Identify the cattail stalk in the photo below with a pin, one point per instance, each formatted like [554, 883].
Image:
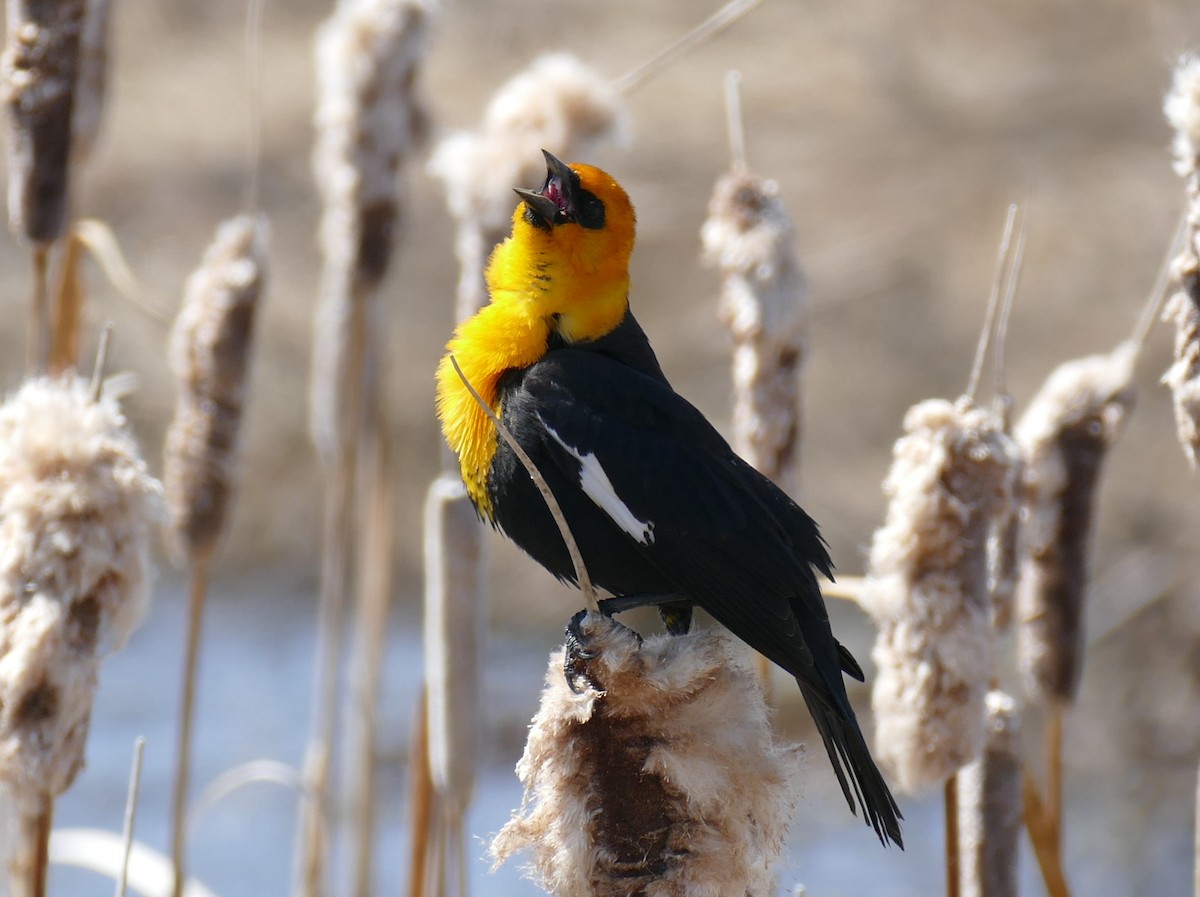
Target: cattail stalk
[420, 800]
[1065, 434]
[989, 803]
[375, 586]
[368, 123]
[1182, 107]
[454, 590]
[748, 237]
[209, 353]
[131, 804]
[76, 509]
[653, 770]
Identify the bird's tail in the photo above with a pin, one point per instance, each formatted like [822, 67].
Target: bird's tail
[852, 761]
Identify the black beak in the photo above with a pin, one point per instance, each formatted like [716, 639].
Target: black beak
[554, 203]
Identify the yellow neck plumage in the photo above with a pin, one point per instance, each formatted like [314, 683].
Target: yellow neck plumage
[538, 282]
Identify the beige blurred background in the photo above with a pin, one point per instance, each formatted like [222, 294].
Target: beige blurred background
[898, 133]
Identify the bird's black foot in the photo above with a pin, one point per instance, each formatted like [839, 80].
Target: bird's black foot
[675, 611]
[581, 648]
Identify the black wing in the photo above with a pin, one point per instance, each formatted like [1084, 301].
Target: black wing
[717, 531]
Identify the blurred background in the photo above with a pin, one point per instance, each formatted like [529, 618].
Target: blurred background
[898, 133]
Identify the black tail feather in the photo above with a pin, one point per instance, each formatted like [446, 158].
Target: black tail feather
[849, 754]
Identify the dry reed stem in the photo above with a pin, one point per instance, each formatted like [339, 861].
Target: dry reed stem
[1042, 838]
[749, 238]
[927, 588]
[37, 335]
[421, 798]
[989, 800]
[557, 104]
[950, 815]
[197, 590]
[659, 776]
[30, 860]
[38, 71]
[76, 509]
[1182, 108]
[68, 308]
[454, 615]
[1064, 434]
[131, 803]
[374, 598]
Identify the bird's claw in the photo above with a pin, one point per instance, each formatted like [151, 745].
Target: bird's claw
[580, 648]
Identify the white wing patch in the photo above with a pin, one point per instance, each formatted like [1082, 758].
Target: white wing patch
[599, 488]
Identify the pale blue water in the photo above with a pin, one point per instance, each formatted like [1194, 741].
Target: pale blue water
[254, 704]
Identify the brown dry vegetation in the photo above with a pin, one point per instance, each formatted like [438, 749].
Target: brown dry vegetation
[898, 131]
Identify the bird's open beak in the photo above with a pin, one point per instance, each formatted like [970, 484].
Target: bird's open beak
[554, 203]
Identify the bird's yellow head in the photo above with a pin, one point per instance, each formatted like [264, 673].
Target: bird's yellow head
[569, 251]
[564, 272]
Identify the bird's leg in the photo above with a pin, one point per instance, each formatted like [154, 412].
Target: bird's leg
[622, 603]
[675, 610]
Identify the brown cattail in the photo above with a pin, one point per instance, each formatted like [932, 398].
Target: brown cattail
[368, 121]
[1064, 435]
[76, 509]
[38, 71]
[927, 588]
[658, 775]
[989, 795]
[749, 238]
[92, 83]
[209, 354]
[557, 104]
[1182, 108]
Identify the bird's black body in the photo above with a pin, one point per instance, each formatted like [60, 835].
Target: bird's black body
[706, 526]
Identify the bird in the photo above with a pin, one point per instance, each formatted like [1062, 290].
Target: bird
[664, 512]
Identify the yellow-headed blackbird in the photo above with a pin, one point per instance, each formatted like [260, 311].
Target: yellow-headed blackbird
[663, 510]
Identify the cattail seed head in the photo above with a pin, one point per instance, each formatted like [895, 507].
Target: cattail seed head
[209, 354]
[990, 806]
[76, 510]
[557, 104]
[38, 70]
[927, 588]
[1065, 434]
[660, 777]
[1182, 108]
[368, 120]
[749, 238]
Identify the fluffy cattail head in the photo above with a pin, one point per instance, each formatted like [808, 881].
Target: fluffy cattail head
[38, 70]
[557, 104]
[76, 510]
[1182, 108]
[209, 354]
[927, 587]
[659, 776]
[1064, 435]
[749, 238]
[1183, 309]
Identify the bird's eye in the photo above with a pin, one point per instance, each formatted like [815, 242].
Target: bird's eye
[590, 212]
